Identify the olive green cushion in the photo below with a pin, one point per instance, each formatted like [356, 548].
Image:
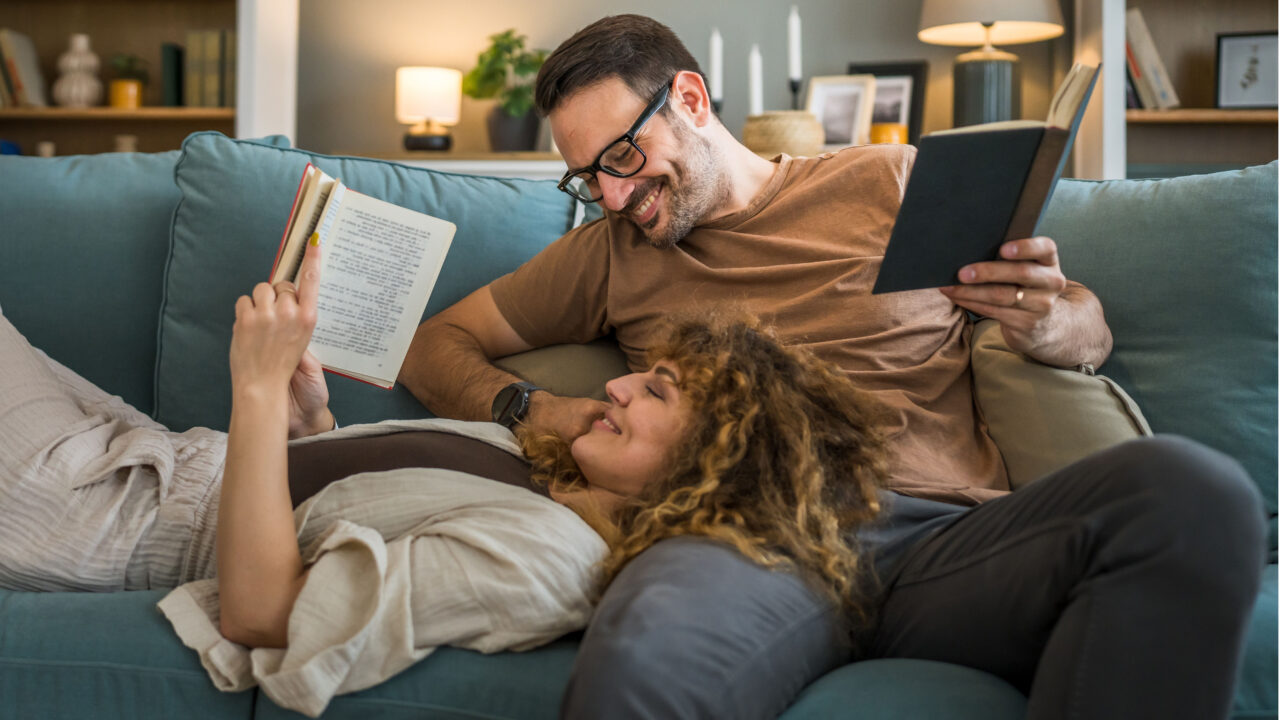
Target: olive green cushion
[1044, 418]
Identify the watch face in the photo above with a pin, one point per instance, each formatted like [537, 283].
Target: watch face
[508, 406]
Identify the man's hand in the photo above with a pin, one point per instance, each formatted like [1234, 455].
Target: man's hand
[1021, 290]
[567, 417]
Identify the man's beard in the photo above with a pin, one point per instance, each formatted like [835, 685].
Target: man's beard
[697, 188]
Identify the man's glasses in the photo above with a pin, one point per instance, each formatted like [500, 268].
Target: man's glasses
[622, 158]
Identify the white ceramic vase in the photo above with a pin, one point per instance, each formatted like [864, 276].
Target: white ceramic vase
[78, 85]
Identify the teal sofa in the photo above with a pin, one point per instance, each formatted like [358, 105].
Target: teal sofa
[125, 267]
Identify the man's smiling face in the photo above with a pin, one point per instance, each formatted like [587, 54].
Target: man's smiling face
[680, 183]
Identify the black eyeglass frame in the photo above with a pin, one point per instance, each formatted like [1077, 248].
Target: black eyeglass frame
[659, 99]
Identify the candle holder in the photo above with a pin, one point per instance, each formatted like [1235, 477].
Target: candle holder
[717, 106]
[794, 83]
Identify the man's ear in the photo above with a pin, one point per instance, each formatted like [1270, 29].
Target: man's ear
[689, 93]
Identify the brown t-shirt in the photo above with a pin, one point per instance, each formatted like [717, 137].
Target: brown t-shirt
[803, 255]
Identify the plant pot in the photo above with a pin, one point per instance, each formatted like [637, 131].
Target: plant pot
[126, 94]
[510, 134]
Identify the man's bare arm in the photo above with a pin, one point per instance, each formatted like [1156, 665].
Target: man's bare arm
[449, 368]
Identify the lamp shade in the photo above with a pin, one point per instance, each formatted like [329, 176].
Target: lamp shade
[960, 22]
[428, 94]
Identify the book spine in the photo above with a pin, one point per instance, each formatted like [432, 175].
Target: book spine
[1144, 48]
[211, 84]
[1146, 95]
[1038, 187]
[171, 72]
[193, 70]
[1131, 100]
[229, 70]
[297, 197]
[11, 69]
[6, 88]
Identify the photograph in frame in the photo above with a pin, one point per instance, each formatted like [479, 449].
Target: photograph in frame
[894, 81]
[843, 105]
[1246, 76]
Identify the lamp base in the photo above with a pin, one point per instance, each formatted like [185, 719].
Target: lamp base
[987, 88]
[438, 143]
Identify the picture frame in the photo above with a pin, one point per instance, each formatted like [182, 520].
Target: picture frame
[843, 105]
[900, 93]
[1246, 70]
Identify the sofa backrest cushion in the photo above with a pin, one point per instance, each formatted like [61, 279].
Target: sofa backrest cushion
[236, 198]
[83, 242]
[1186, 271]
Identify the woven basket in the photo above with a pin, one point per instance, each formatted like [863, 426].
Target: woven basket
[794, 132]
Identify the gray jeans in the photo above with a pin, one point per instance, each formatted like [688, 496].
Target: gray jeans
[1146, 556]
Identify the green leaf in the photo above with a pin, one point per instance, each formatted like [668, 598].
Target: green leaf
[499, 70]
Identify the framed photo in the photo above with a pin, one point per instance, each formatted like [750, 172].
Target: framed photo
[1246, 70]
[843, 104]
[899, 93]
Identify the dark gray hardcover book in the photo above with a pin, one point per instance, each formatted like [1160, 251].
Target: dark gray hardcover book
[974, 188]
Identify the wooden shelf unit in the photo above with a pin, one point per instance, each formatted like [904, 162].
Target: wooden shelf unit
[136, 27]
[1199, 135]
[1200, 116]
[107, 114]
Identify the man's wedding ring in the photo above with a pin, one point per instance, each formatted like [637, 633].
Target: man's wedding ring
[285, 287]
[1017, 298]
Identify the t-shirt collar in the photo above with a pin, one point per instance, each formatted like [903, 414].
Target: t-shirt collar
[761, 199]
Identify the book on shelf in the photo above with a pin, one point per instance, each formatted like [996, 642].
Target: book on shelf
[1147, 59]
[228, 73]
[171, 75]
[974, 188]
[379, 265]
[1146, 95]
[22, 68]
[211, 66]
[193, 69]
[1131, 99]
[7, 98]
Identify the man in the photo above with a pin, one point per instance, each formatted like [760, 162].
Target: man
[1049, 588]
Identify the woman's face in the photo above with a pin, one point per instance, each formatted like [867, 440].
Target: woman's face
[629, 447]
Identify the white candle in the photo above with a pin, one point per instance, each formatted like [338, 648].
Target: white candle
[756, 97]
[793, 44]
[717, 65]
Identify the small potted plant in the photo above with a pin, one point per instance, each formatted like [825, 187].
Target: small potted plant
[125, 89]
[506, 70]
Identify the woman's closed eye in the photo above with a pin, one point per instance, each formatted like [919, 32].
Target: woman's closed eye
[653, 392]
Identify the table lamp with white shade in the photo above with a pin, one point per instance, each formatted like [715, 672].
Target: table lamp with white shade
[987, 83]
[429, 99]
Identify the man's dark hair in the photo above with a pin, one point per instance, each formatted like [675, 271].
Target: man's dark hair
[640, 51]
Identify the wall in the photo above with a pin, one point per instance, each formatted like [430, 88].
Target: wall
[348, 52]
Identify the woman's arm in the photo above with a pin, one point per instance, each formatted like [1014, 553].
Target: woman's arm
[259, 567]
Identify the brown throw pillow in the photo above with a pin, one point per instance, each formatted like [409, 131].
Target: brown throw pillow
[1044, 418]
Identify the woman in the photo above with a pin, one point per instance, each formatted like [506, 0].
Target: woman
[728, 435]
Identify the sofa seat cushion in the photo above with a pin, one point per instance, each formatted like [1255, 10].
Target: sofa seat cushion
[454, 684]
[79, 655]
[235, 202]
[1186, 271]
[1256, 692]
[897, 688]
[83, 242]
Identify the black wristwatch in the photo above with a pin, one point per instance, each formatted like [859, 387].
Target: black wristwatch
[512, 403]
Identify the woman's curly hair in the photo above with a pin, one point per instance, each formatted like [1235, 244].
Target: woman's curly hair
[781, 458]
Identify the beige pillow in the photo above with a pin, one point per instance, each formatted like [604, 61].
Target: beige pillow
[1044, 418]
[570, 370]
